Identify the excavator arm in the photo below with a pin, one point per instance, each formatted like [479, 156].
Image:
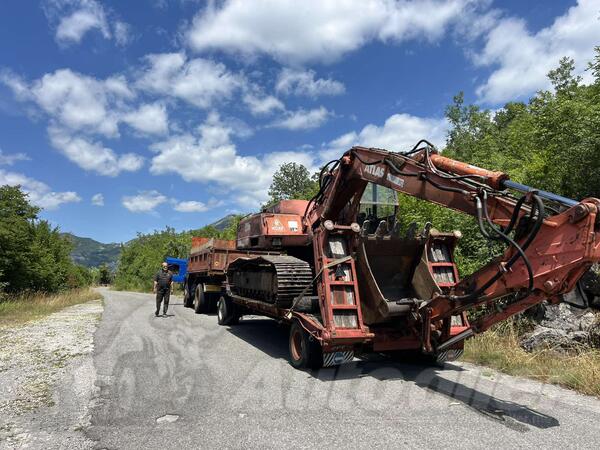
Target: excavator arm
[551, 241]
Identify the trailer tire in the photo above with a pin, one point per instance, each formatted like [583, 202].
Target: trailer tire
[305, 351]
[226, 312]
[200, 300]
[188, 300]
[211, 304]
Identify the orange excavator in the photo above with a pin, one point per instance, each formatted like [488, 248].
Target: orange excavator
[350, 281]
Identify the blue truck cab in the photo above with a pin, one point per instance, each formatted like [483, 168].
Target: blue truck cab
[178, 268]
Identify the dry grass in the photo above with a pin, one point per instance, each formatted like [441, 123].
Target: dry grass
[25, 307]
[499, 348]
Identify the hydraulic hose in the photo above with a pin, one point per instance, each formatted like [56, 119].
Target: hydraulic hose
[520, 250]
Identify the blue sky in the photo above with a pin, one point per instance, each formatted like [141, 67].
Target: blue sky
[119, 117]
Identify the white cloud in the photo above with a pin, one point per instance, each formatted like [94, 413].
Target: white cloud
[76, 101]
[77, 104]
[10, 159]
[303, 119]
[39, 193]
[93, 156]
[522, 59]
[144, 201]
[262, 105]
[73, 27]
[74, 19]
[298, 82]
[198, 81]
[190, 206]
[86, 104]
[149, 119]
[399, 133]
[211, 158]
[122, 32]
[98, 200]
[317, 30]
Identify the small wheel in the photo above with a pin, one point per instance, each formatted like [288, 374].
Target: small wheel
[188, 300]
[226, 314]
[200, 302]
[305, 351]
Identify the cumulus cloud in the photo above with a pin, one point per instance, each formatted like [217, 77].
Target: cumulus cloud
[149, 119]
[303, 82]
[78, 106]
[210, 157]
[77, 101]
[7, 159]
[316, 30]
[302, 119]
[144, 201]
[93, 156]
[400, 132]
[262, 105]
[521, 59]
[73, 19]
[190, 206]
[98, 200]
[39, 193]
[198, 81]
[86, 104]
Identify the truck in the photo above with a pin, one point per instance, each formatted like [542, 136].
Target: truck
[347, 280]
[205, 273]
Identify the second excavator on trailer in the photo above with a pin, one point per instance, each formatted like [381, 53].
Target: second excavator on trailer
[351, 283]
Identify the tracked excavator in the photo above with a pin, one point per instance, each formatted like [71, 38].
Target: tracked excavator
[350, 282]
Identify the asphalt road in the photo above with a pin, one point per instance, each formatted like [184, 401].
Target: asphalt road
[183, 381]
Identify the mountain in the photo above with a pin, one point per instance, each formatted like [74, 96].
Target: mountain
[90, 253]
[223, 223]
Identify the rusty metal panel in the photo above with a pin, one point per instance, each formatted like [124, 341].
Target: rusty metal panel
[297, 207]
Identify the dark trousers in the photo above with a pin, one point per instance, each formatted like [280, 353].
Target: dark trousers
[162, 295]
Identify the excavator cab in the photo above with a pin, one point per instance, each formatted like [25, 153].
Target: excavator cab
[377, 204]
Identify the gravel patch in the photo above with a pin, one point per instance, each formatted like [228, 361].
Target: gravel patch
[47, 379]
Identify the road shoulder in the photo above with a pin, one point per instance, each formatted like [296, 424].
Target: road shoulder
[47, 379]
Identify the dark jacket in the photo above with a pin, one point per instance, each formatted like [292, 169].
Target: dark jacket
[163, 280]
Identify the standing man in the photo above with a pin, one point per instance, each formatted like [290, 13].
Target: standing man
[163, 285]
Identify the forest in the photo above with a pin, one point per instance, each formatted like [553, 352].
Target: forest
[34, 256]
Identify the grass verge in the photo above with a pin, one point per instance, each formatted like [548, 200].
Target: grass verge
[25, 307]
[499, 348]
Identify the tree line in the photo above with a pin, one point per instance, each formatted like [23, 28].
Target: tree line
[141, 258]
[33, 254]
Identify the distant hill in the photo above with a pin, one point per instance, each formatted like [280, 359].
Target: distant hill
[90, 253]
[223, 223]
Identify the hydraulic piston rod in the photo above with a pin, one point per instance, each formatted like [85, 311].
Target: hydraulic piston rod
[497, 180]
[544, 194]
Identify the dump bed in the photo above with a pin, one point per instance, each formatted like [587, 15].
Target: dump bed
[210, 256]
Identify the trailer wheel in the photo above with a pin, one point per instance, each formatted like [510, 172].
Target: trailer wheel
[200, 300]
[188, 300]
[211, 304]
[226, 313]
[305, 351]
